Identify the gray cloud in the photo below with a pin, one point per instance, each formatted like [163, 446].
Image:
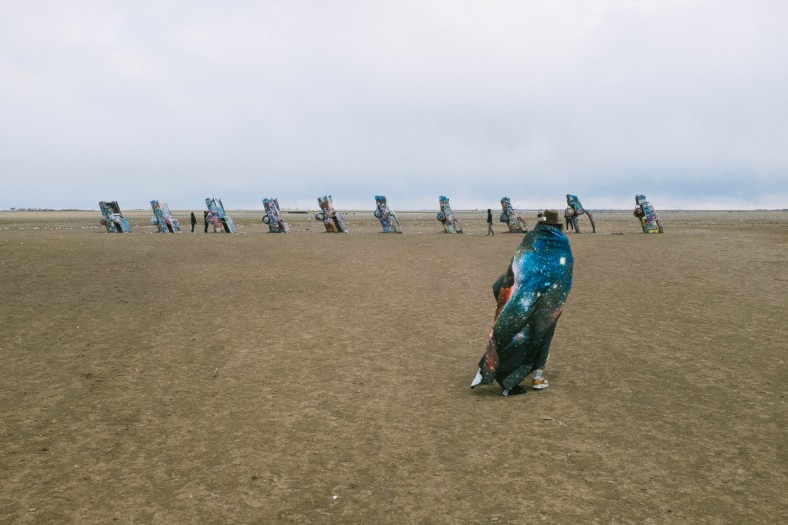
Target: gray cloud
[683, 101]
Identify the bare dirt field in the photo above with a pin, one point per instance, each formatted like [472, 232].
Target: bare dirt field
[323, 378]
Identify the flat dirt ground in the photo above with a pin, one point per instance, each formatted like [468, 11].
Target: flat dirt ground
[324, 378]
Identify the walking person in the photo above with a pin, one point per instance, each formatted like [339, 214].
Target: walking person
[530, 298]
[489, 223]
[194, 221]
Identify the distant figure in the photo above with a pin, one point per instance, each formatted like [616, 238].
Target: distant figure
[530, 296]
[194, 221]
[569, 217]
[205, 218]
[489, 223]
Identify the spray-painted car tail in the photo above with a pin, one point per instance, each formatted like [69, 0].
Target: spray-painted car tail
[446, 217]
[515, 222]
[332, 219]
[388, 219]
[218, 217]
[272, 217]
[113, 219]
[163, 219]
[574, 209]
[649, 220]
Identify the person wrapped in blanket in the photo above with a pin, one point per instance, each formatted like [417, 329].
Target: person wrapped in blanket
[530, 297]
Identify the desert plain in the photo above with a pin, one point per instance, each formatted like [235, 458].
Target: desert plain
[324, 378]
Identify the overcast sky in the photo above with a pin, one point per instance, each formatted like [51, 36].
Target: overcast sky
[684, 101]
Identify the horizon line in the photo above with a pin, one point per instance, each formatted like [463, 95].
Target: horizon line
[423, 210]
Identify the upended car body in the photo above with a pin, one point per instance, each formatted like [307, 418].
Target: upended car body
[163, 218]
[446, 216]
[514, 222]
[113, 219]
[649, 220]
[220, 220]
[388, 219]
[331, 219]
[273, 217]
[574, 209]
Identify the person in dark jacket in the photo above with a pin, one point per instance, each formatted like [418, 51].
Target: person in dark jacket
[530, 298]
[489, 223]
[205, 219]
[194, 221]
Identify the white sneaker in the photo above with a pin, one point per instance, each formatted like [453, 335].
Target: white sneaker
[540, 383]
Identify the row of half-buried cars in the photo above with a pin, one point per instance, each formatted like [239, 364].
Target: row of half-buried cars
[334, 222]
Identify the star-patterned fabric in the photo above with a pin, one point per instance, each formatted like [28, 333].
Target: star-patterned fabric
[530, 296]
